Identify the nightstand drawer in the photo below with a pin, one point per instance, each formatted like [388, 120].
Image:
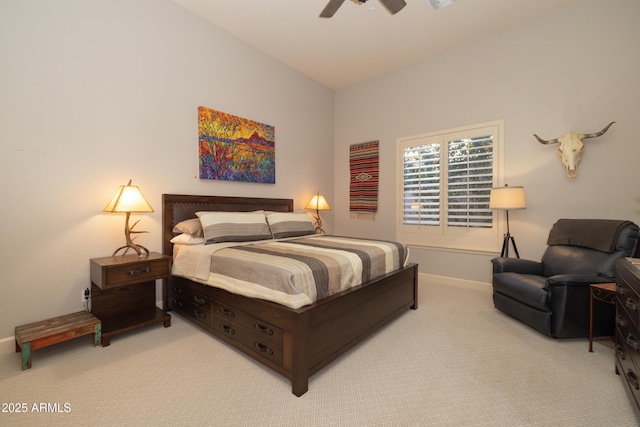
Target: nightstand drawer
[110, 272]
[142, 272]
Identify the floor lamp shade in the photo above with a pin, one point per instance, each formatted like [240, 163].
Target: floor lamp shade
[507, 198]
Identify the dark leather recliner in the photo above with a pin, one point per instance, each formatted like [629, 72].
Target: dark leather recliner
[552, 295]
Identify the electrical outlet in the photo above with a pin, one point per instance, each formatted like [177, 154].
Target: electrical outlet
[86, 294]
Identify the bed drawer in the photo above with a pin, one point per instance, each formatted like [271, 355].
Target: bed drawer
[185, 300]
[260, 337]
[249, 340]
[264, 331]
[196, 299]
[188, 293]
[195, 311]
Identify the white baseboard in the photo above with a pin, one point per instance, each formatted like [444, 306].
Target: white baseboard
[8, 345]
[432, 279]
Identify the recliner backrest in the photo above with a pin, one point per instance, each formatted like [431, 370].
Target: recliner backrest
[571, 259]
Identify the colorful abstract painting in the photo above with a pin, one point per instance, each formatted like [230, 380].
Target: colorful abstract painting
[232, 148]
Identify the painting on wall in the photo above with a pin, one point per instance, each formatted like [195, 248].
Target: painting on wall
[232, 148]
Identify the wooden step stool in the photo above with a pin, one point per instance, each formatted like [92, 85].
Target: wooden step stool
[52, 331]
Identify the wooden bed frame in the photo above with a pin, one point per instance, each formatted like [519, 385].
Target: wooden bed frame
[294, 342]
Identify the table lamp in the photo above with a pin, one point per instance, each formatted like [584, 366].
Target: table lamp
[129, 199]
[319, 203]
[506, 198]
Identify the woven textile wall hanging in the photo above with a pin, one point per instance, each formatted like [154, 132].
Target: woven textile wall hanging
[363, 186]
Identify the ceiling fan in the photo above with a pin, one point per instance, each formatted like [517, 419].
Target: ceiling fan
[330, 9]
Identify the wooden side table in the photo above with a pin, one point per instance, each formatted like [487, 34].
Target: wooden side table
[605, 292]
[123, 292]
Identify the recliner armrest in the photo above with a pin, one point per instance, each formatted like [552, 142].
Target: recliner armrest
[517, 265]
[575, 280]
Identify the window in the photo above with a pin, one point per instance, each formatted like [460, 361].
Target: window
[445, 182]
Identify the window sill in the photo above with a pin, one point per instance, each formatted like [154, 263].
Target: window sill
[454, 250]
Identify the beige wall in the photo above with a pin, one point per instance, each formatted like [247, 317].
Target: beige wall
[576, 70]
[93, 93]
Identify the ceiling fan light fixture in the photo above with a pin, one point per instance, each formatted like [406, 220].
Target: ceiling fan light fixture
[439, 4]
[393, 6]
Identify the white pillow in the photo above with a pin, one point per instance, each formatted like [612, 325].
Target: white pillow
[187, 239]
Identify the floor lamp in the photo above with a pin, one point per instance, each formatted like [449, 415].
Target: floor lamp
[506, 198]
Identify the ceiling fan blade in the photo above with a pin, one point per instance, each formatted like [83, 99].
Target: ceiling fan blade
[331, 8]
[394, 6]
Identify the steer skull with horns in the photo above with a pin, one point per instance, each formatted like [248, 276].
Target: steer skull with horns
[570, 148]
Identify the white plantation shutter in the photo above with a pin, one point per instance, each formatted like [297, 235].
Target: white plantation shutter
[421, 204]
[470, 178]
[446, 179]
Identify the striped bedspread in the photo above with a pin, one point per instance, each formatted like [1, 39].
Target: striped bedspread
[296, 272]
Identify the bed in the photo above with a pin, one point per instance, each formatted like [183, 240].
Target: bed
[295, 342]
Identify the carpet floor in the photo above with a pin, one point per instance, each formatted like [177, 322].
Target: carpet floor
[456, 361]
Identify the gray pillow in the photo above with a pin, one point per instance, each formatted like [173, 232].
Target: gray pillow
[290, 224]
[234, 226]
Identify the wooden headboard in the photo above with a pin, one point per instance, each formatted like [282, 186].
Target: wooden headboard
[178, 207]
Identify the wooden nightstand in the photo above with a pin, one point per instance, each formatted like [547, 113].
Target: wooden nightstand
[123, 292]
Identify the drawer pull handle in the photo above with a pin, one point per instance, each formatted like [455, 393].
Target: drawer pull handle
[227, 329]
[263, 348]
[621, 290]
[227, 312]
[199, 315]
[620, 351]
[632, 343]
[263, 329]
[620, 321]
[633, 379]
[177, 290]
[198, 300]
[136, 272]
[177, 303]
[630, 305]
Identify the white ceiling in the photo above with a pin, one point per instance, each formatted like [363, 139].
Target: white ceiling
[362, 41]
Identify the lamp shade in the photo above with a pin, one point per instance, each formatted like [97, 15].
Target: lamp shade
[318, 203]
[507, 198]
[128, 198]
